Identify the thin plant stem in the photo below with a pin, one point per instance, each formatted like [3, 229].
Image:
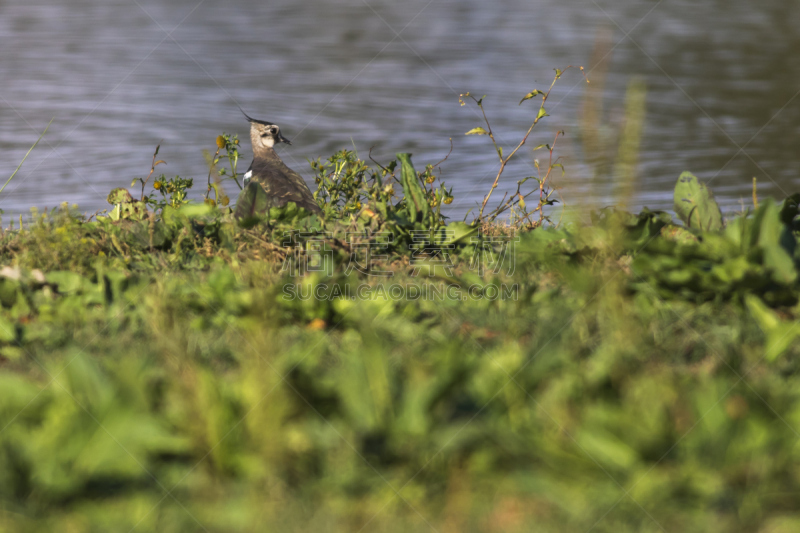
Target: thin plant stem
[152, 168]
[504, 160]
[26, 155]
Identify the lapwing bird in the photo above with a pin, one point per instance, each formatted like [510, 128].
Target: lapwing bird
[281, 184]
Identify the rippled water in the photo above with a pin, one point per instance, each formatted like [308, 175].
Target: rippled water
[120, 76]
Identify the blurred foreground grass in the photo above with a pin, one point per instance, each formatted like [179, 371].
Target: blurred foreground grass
[175, 388]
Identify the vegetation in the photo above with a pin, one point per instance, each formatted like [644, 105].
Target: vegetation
[164, 367]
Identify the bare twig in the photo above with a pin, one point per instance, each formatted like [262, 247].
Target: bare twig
[448, 154]
[374, 161]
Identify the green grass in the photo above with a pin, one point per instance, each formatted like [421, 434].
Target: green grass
[154, 378]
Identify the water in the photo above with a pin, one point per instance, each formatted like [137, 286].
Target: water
[121, 76]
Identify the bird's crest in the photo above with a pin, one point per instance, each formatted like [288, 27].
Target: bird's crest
[255, 120]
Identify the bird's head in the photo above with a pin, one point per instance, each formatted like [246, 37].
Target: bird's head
[265, 134]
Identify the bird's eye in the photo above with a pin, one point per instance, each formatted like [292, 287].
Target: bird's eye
[273, 130]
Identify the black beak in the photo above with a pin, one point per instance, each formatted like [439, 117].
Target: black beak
[283, 139]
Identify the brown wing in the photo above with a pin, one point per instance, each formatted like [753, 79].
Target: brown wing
[283, 184]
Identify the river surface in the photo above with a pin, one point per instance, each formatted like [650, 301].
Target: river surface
[118, 77]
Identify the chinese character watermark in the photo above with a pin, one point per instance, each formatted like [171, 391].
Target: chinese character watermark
[430, 255]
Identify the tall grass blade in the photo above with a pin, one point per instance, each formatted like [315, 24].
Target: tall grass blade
[630, 141]
[26, 155]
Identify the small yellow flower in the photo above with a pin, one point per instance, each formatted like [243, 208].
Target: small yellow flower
[220, 142]
[157, 185]
[448, 200]
[317, 324]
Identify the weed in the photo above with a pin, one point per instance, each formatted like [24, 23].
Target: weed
[516, 202]
[230, 144]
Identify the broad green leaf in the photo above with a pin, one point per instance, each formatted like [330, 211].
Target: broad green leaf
[19, 394]
[416, 202]
[695, 204]
[8, 331]
[678, 234]
[68, 282]
[780, 263]
[456, 232]
[125, 206]
[769, 233]
[119, 196]
[780, 334]
[196, 210]
[116, 213]
[606, 448]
